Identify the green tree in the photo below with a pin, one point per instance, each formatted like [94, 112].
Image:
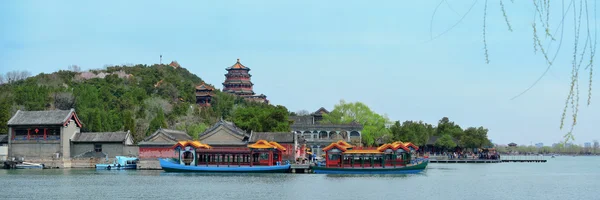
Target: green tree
[445, 142]
[129, 121]
[409, 131]
[373, 123]
[5, 111]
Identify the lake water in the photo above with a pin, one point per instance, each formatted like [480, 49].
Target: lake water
[559, 178]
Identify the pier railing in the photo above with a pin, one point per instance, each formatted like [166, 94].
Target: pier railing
[522, 157]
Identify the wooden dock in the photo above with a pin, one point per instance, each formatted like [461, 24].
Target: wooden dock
[465, 161]
[300, 168]
[528, 159]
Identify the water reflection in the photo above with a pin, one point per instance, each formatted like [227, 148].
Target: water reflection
[342, 176]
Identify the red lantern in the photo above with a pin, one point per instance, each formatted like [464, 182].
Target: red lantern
[36, 130]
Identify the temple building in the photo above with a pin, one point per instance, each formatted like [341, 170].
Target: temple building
[237, 81]
[204, 94]
[42, 134]
[310, 132]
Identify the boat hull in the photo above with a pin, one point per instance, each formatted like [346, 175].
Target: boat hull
[369, 170]
[114, 167]
[169, 166]
[29, 166]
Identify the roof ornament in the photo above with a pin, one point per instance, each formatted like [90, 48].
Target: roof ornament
[238, 60]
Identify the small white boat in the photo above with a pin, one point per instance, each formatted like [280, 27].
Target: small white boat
[27, 165]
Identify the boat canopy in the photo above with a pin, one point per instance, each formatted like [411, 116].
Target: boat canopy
[263, 144]
[398, 146]
[195, 144]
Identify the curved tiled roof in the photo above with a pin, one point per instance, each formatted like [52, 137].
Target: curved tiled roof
[263, 144]
[47, 117]
[195, 144]
[363, 151]
[283, 137]
[171, 134]
[204, 86]
[101, 137]
[228, 125]
[238, 65]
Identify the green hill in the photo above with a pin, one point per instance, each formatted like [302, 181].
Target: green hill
[138, 98]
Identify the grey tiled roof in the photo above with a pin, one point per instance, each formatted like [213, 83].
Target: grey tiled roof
[49, 117]
[172, 134]
[101, 137]
[228, 125]
[280, 137]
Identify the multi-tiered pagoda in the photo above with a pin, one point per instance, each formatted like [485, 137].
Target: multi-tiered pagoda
[237, 81]
[204, 94]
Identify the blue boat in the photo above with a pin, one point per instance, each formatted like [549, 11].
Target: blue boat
[120, 163]
[173, 166]
[261, 157]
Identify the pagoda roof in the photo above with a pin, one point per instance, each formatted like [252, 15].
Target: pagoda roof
[237, 81]
[204, 86]
[238, 65]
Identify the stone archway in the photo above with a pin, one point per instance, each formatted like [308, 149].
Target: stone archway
[334, 136]
[323, 135]
[355, 137]
[344, 135]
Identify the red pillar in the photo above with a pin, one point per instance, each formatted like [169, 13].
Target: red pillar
[45, 130]
[270, 157]
[326, 159]
[28, 133]
[251, 158]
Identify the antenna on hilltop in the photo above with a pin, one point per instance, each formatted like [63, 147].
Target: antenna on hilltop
[160, 61]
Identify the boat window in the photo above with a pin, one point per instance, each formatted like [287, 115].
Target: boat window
[97, 147]
[334, 156]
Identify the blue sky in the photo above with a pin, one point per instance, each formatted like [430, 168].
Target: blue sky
[310, 54]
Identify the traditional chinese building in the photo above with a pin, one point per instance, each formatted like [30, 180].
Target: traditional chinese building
[224, 134]
[310, 132]
[103, 145]
[204, 94]
[237, 81]
[42, 135]
[158, 145]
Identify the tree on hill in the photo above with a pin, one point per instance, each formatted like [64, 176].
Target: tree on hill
[126, 98]
[158, 122]
[373, 123]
